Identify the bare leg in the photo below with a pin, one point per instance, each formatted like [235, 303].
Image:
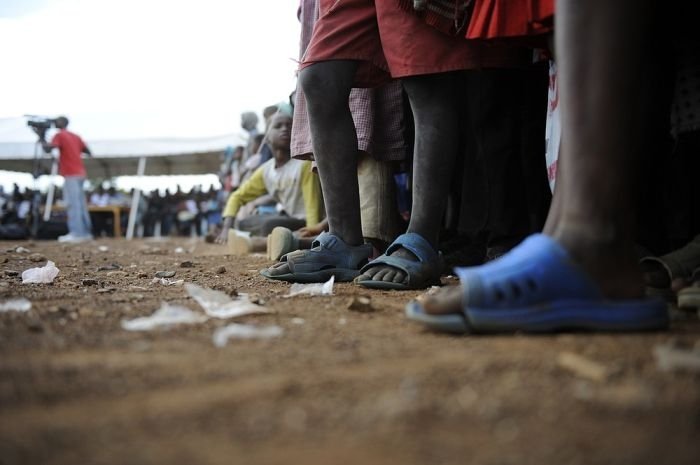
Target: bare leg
[603, 64]
[327, 88]
[435, 111]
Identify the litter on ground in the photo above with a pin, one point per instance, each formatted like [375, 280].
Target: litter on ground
[43, 275]
[217, 304]
[312, 289]
[166, 316]
[239, 331]
[16, 305]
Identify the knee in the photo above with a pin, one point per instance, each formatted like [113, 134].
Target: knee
[321, 87]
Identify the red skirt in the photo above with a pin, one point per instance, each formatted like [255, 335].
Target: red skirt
[391, 42]
[500, 19]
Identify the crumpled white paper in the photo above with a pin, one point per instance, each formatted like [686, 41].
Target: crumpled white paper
[19, 304]
[239, 331]
[312, 289]
[166, 316]
[45, 274]
[217, 304]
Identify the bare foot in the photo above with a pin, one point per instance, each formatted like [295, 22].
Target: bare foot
[447, 300]
[612, 268]
[279, 269]
[612, 265]
[387, 273]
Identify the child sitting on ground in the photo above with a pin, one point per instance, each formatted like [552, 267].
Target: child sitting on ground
[290, 182]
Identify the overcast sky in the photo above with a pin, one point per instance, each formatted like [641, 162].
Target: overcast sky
[146, 68]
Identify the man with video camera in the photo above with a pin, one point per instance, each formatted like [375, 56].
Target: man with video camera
[70, 165]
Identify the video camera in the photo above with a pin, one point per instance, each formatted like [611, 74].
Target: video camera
[40, 125]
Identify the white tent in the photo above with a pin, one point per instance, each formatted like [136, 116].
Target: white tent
[119, 157]
[157, 156]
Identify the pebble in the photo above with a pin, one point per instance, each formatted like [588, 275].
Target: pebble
[186, 264]
[4, 260]
[89, 282]
[106, 289]
[111, 266]
[672, 356]
[360, 303]
[118, 274]
[165, 274]
[634, 395]
[35, 326]
[36, 257]
[11, 273]
[583, 367]
[85, 311]
[221, 270]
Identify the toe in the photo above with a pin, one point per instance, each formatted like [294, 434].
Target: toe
[389, 276]
[400, 278]
[379, 275]
[447, 300]
[372, 272]
[279, 269]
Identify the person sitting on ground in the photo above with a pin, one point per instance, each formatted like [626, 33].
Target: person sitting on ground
[290, 182]
[283, 240]
[279, 242]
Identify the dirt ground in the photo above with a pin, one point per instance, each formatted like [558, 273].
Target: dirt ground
[337, 387]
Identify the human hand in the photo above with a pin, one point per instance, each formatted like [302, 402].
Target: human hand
[222, 238]
[309, 231]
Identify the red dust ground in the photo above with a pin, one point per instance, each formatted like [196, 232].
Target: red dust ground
[341, 387]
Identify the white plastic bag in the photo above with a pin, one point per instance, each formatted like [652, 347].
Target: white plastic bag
[45, 274]
[217, 304]
[239, 331]
[19, 304]
[312, 289]
[166, 316]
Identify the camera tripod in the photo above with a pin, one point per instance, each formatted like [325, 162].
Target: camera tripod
[36, 196]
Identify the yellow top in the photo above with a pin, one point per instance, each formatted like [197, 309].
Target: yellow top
[293, 185]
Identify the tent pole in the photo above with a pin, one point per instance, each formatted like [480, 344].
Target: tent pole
[135, 200]
[52, 189]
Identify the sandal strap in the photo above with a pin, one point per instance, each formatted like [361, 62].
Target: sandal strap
[328, 251]
[425, 271]
[416, 244]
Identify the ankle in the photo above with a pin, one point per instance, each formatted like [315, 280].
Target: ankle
[609, 261]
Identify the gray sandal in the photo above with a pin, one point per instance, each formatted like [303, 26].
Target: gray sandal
[328, 256]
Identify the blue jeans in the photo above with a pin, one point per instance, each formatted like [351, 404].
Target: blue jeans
[78, 217]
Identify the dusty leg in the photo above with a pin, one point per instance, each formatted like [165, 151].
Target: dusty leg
[327, 87]
[601, 54]
[435, 112]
